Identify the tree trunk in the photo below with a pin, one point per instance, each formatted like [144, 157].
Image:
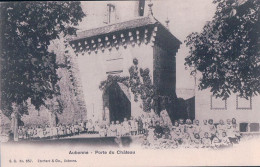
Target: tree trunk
[52, 119]
[1, 128]
[15, 123]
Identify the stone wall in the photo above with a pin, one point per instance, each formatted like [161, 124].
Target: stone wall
[164, 71]
[165, 78]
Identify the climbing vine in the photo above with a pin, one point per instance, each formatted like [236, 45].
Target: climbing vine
[113, 79]
[140, 84]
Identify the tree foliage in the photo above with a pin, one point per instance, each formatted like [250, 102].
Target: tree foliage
[28, 69]
[226, 52]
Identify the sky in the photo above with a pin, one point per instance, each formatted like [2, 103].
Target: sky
[186, 16]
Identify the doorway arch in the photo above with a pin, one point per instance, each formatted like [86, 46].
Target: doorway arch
[116, 103]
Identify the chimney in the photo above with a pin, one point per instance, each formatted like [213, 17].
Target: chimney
[139, 8]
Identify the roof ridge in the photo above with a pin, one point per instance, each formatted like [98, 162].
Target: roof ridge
[131, 23]
[153, 19]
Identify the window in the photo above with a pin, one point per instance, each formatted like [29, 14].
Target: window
[141, 7]
[110, 15]
[254, 127]
[243, 127]
[218, 103]
[114, 63]
[243, 103]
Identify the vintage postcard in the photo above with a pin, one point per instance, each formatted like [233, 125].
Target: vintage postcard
[130, 83]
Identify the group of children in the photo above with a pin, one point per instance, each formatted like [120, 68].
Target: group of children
[48, 132]
[157, 131]
[193, 134]
[113, 129]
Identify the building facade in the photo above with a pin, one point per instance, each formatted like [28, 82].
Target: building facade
[115, 35]
[110, 50]
[245, 111]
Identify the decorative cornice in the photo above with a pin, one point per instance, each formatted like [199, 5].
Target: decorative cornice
[146, 30]
[115, 40]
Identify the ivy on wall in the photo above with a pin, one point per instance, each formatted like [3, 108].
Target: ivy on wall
[140, 84]
[113, 79]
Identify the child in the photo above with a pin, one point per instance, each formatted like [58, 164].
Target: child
[72, 129]
[167, 132]
[135, 128]
[145, 142]
[196, 127]
[196, 142]
[81, 127]
[34, 132]
[176, 126]
[158, 130]
[234, 121]
[47, 131]
[30, 132]
[90, 127]
[162, 123]
[148, 121]
[107, 127]
[177, 136]
[206, 142]
[189, 127]
[229, 127]
[96, 127]
[181, 125]
[216, 141]
[102, 131]
[205, 127]
[132, 125]
[224, 141]
[25, 133]
[20, 133]
[212, 129]
[140, 125]
[86, 126]
[69, 132]
[112, 129]
[186, 141]
[152, 122]
[60, 130]
[40, 132]
[221, 127]
[236, 131]
[76, 128]
[125, 127]
[118, 128]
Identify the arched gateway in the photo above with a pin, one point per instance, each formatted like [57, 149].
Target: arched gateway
[116, 103]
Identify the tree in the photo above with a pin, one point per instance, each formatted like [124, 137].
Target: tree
[226, 52]
[28, 69]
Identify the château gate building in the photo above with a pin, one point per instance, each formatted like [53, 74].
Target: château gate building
[123, 34]
[116, 33]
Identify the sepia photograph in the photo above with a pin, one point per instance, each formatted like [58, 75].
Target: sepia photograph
[129, 83]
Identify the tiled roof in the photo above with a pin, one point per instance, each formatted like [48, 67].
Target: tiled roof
[138, 22]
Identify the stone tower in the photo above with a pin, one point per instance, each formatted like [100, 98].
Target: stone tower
[130, 31]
